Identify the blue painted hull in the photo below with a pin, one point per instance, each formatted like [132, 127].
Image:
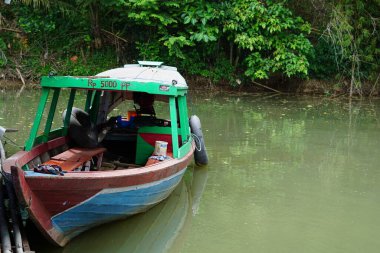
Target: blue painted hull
[113, 204]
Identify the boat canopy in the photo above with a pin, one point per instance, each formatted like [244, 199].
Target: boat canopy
[109, 88]
[146, 74]
[160, 80]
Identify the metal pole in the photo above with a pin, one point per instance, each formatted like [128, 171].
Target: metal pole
[15, 217]
[6, 245]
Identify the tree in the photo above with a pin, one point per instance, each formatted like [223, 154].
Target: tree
[353, 31]
[215, 39]
[271, 38]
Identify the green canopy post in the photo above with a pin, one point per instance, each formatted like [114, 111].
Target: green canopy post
[37, 121]
[68, 111]
[183, 119]
[173, 117]
[50, 118]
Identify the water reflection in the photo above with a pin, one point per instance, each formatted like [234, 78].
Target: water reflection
[289, 174]
[286, 174]
[161, 229]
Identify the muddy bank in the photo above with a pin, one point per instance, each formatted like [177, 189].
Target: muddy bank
[294, 86]
[335, 88]
[15, 85]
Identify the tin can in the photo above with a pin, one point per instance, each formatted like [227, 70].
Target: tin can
[160, 148]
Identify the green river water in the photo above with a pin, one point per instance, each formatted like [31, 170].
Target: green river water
[286, 174]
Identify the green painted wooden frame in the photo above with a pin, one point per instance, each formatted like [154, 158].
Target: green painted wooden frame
[98, 83]
[36, 124]
[177, 96]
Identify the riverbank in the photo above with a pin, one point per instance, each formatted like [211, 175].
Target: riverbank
[6, 85]
[328, 88]
[294, 86]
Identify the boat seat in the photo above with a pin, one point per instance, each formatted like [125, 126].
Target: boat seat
[152, 161]
[75, 158]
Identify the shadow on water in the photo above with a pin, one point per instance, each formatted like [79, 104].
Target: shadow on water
[161, 229]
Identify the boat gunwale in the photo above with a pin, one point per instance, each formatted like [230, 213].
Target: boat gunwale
[25, 157]
[120, 85]
[117, 173]
[41, 216]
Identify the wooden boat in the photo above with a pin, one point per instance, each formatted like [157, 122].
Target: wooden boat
[88, 193]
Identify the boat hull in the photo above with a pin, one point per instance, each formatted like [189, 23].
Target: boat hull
[64, 206]
[113, 204]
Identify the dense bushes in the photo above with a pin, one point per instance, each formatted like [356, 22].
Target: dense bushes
[222, 41]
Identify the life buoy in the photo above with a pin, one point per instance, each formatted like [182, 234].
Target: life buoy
[81, 130]
[200, 153]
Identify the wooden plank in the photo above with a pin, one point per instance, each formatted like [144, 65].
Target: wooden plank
[78, 154]
[75, 158]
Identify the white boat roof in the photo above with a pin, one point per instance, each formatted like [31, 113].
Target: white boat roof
[147, 71]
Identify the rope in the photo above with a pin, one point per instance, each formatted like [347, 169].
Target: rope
[12, 143]
[197, 141]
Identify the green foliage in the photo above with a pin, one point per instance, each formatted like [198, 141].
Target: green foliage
[3, 46]
[40, 24]
[98, 63]
[175, 44]
[223, 70]
[273, 39]
[153, 12]
[322, 61]
[158, 21]
[199, 18]
[51, 29]
[64, 66]
[197, 35]
[353, 33]
[55, 39]
[3, 58]
[218, 40]
[148, 51]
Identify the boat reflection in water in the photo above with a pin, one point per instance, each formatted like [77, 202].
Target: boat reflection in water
[161, 229]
